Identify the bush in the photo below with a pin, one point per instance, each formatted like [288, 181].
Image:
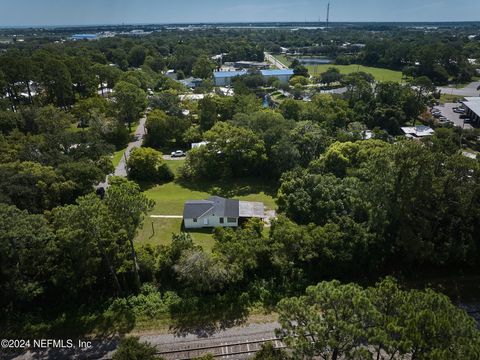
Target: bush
[132, 349]
[146, 164]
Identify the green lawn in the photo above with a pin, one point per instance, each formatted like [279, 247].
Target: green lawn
[449, 98]
[117, 156]
[379, 74]
[170, 198]
[162, 231]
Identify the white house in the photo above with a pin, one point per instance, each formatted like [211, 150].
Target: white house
[220, 212]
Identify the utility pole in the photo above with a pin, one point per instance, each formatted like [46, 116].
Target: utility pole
[328, 14]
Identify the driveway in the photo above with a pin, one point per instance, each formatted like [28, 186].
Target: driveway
[469, 90]
[121, 168]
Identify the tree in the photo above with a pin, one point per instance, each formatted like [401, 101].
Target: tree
[131, 102]
[129, 206]
[136, 56]
[231, 151]
[203, 67]
[157, 129]
[147, 164]
[132, 349]
[57, 80]
[327, 322]
[208, 113]
[94, 243]
[28, 254]
[34, 187]
[335, 321]
[331, 75]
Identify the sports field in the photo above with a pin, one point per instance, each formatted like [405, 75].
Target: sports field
[379, 74]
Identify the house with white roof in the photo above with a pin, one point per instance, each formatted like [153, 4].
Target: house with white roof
[416, 132]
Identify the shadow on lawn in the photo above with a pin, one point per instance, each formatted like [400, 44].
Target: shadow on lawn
[230, 187]
[204, 316]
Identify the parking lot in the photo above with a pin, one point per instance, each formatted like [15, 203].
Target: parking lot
[447, 111]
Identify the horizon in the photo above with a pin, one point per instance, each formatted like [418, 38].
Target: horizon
[308, 23]
[143, 12]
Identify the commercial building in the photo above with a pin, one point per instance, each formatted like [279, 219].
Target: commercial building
[224, 78]
[283, 75]
[472, 106]
[84, 37]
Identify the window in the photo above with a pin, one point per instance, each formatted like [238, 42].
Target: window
[221, 220]
[194, 220]
[231, 220]
[205, 221]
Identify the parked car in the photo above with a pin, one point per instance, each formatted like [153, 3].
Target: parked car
[178, 153]
[459, 110]
[464, 116]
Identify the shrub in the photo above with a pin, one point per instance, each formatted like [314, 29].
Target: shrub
[146, 164]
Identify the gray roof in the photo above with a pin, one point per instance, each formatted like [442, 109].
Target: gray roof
[214, 205]
[474, 106]
[195, 209]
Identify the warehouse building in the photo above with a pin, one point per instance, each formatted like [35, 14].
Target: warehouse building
[224, 78]
[283, 75]
[472, 105]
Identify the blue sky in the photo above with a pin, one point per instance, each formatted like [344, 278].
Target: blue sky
[79, 12]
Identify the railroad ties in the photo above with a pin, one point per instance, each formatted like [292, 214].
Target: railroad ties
[232, 351]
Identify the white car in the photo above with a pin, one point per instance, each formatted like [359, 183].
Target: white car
[178, 153]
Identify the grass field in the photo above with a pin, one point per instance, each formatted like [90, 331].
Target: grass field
[379, 74]
[170, 198]
[448, 98]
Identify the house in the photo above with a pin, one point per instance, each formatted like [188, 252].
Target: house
[220, 212]
[191, 82]
[420, 131]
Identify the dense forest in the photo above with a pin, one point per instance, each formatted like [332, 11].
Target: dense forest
[350, 209]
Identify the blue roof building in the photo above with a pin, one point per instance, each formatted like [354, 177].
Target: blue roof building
[284, 72]
[224, 78]
[84, 37]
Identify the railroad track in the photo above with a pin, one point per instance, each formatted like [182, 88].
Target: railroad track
[235, 350]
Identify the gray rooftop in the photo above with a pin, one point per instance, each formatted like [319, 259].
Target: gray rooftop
[214, 205]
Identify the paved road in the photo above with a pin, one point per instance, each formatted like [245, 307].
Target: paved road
[469, 90]
[271, 59]
[121, 169]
